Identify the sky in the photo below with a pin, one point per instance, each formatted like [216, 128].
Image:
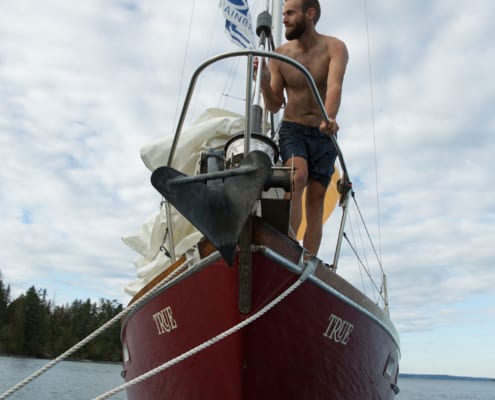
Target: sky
[84, 85]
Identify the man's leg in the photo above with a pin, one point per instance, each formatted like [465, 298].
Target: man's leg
[315, 197]
[300, 180]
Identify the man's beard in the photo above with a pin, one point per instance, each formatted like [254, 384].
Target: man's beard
[296, 32]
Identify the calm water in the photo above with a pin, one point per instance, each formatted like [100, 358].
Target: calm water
[433, 389]
[82, 381]
[67, 380]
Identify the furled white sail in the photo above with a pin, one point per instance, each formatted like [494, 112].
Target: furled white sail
[211, 130]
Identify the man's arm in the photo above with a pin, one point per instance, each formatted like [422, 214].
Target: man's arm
[336, 70]
[272, 86]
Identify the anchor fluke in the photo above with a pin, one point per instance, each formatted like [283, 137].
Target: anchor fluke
[220, 209]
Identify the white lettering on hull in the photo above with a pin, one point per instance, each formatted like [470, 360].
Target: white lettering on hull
[164, 321]
[338, 330]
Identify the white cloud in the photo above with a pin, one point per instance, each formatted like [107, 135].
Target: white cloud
[83, 86]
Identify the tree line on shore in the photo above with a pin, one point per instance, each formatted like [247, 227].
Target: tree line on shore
[31, 325]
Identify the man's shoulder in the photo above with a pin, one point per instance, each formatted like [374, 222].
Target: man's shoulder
[333, 42]
[336, 47]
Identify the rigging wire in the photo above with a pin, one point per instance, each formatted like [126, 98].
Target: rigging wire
[227, 88]
[351, 228]
[362, 261]
[186, 53]
[234, 69]
[372, 103]
[379, 260]
[363, 247]
[372, 281]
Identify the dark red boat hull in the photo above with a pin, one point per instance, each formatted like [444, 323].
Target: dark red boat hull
[324, 341]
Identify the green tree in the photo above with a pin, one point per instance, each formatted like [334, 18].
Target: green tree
[61, 332]
[36, 323]
[108, 343]
[32, 326]
[83, 318]
[4, 322]
[15, 328]
[4, 300]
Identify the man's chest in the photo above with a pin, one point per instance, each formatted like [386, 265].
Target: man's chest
[316, 62]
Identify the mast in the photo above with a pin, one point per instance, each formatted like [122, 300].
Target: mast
[268, 25]
[264, 31]
[277, 6]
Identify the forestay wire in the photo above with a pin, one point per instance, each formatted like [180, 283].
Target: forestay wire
[372, 104]
[361, 262]
[186, 53]
[377, 252]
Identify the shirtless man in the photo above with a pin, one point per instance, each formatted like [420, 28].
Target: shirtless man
[304, 135]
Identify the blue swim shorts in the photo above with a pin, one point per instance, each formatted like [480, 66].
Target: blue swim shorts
[296, 140]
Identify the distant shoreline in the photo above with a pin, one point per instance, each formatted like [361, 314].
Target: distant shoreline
[401, 376]
[444, 377]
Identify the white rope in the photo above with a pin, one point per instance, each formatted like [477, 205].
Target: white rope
[212, 341]
[93, 335]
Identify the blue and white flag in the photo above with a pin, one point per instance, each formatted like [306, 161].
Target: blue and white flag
[238, 22]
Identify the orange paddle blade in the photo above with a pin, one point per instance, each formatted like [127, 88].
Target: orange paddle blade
[331, 198]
